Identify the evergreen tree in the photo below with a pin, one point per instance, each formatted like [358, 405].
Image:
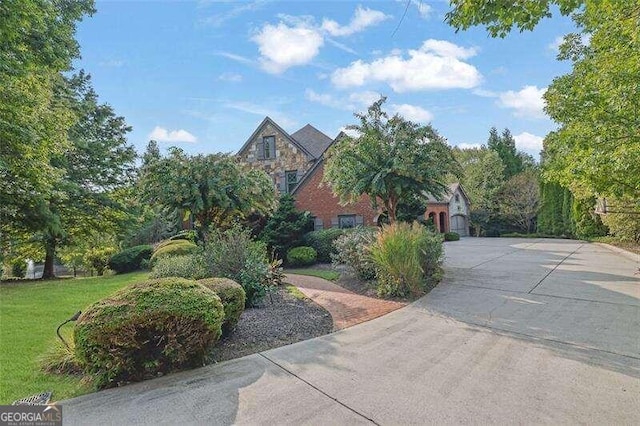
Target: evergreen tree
[505, 146]
[286, 227]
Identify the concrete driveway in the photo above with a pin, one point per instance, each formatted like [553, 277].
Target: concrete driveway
[520, 331]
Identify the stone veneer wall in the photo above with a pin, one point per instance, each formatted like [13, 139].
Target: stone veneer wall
[288, 156]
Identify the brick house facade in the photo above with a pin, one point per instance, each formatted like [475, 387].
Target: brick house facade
[311, 195]
[295, 163]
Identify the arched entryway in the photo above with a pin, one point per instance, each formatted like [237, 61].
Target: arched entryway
[443, 222]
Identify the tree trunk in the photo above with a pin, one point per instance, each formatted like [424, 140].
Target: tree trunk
[48, 273]
[391, 205]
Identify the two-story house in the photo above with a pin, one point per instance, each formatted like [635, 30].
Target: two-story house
[295, 163]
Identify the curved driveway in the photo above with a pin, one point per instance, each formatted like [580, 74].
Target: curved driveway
[519, 331]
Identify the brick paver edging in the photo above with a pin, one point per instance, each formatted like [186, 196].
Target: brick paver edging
[346, 307]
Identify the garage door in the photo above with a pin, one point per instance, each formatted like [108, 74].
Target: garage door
[459, 225]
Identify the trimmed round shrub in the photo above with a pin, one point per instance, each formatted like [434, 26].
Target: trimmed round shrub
[322, 242]
[451, 236]
[190, 266]
[148, 328]
[130, 259]
[173, 248]
[232, 296]
[301, 256]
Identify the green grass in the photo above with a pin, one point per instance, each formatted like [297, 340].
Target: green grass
[293, 290]
[30, 312]
[320, 273]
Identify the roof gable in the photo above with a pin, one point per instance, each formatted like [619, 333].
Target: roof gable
[448, 195]
[313, 140]
[287, 136]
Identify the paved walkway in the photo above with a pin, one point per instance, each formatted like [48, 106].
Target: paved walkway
[346, 307]
[519, 332]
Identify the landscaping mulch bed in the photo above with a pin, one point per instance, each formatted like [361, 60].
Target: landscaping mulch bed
[283, 319]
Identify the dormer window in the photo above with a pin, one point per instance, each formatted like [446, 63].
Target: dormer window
[268, 149]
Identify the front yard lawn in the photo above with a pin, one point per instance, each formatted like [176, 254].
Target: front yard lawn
[30, 312]
[320, 273]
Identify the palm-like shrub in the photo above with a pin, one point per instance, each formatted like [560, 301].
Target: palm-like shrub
[407, 258]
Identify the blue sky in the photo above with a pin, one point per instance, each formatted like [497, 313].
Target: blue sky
[203, 74]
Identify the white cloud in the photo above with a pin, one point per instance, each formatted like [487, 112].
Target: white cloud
[219, 19]
[326, 100]
[234, 57]
[365, 98]
[412, 113]
[465, 145]
[527, 102]
[362, 18]
[255, 109]
[525, 141]
[436, 65]
[230, 77]
[282, 46]
[485, 93]
[161, 134]
[423, 8]
[555, 44]
[447, 49]
[296, 40]
[349, 132]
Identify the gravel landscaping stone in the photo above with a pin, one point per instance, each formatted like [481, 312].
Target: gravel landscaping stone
[282, 320]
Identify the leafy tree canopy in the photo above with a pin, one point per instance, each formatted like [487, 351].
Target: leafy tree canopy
[596, 150]
[501, 16]
[214, 188]
[392, 160]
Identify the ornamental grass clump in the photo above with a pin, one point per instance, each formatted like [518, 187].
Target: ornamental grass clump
[407, 259]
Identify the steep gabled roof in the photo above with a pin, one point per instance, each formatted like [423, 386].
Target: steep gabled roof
[268, 120]
[446, 198]
[313, 140]
[308, 175]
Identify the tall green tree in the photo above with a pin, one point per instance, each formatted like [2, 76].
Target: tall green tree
[596, 150]
[392, 160]
[482, 178]
[214, 189]
[519, 200]
[96, 163]
[37, 43]
[505, 146]
[285, 228]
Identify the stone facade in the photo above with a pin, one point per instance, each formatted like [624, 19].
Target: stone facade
[452, 213]
[288, 156]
